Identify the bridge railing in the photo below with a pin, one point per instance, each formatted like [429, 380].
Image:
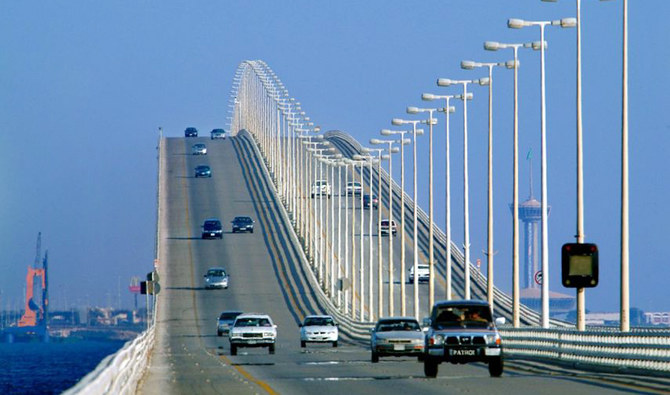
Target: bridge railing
[645, 351]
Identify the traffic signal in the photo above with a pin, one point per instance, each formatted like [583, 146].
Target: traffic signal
[579, 262]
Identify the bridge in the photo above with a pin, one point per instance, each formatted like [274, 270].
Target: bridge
[326, 255]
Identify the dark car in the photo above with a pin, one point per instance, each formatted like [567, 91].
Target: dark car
[463, 331]
[243, 224]
[191, 132]
[368, 201]
[218, 134]
[225, 321]
[212, 229]
[203, 171]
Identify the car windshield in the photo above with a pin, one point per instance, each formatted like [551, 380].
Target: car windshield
[398, 325]
[216, 272]
[203, 167]
[462, 316]
[319, 321]
[247, 322]
[229, 316]
[242, 219]
[212, 225]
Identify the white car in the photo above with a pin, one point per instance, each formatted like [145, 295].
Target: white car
[199, 149]
[354, 188]
[252, 330]
[423, 274]
[321, 187]
[318, 329]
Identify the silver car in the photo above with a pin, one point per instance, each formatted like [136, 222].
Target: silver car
[396, 336]
[199, 149]
[225, 321]
[216, 277]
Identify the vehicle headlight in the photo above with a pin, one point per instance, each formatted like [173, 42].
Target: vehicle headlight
[436, 340]
[493, 339]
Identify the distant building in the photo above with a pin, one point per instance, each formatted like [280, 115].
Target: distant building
[657, 319]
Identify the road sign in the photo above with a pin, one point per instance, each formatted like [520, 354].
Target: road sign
[538, 277]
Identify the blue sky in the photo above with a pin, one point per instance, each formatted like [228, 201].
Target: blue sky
[84, 88]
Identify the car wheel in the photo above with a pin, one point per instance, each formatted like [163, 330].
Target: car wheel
[271, 349]
[374, 357]
[335, 343]
[234, 231]
[430, 367]
[303, 344]
[233, 350]
[252, 231]
[496, 367]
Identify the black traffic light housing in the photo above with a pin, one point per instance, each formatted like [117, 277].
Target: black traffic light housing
[579, 263]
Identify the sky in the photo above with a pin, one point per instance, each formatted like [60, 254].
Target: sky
[85, 86]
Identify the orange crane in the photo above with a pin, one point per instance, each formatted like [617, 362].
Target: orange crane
[35, 315]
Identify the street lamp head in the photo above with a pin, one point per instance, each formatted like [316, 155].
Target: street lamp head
[317, 129]
[419, 132]
[468, 64]
[428, 96]
[568, 22]
[510, 64]
[492, 45]
[397, 121]
[386, 132]
[484, 81]
[516, 23]
[375, 141]
[536, 45]
[444, 82]
[412, 110]
[395, 150]
[405, 141]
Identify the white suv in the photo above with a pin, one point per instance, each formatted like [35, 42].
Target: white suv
[253, 330]
[321, 187]
[354, 188]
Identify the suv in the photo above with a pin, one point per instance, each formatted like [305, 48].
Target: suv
[386, 228]
[218, 134]
[461, 332]
[321, 187]
[253, 330]
[191, 132]
[212, 229]
[423, 274]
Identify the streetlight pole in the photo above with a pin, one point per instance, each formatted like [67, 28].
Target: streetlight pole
[469, 65]
[397, 122]
[494, 46]
[391, 149]
[431, 238]
[518, 24]
[369, 159]
[447, 110]
[403, 297]
[466, 198]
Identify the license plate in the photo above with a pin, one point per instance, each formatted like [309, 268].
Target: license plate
[469, 353]
[398, 347]
[251, 341]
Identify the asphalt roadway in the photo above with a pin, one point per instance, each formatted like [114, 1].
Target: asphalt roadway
[267, 275]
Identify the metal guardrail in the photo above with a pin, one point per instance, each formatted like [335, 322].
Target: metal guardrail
[644, 351]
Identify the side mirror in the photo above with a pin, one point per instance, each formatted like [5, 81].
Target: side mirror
[500, 321]
[426, 322]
